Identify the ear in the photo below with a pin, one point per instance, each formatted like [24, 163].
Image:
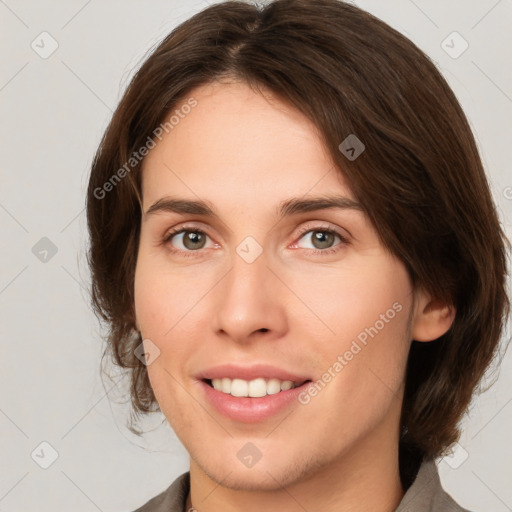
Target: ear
[134, 319]
[432, 317]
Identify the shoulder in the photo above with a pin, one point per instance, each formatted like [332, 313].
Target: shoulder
[173, 499]
[426, 493]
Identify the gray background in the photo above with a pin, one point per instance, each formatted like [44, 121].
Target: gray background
[53, 113]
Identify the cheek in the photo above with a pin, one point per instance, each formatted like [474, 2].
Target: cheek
[362, 341]
[167, 307]
[175, 402]
[346, 300]
[162, 296]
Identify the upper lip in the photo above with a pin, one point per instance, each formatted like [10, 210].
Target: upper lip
[254, 371]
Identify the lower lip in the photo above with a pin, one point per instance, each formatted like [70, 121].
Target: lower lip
[248, 409]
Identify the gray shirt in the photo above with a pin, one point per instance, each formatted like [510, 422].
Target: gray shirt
[424, 495]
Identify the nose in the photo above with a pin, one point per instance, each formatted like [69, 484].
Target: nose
[250, 302]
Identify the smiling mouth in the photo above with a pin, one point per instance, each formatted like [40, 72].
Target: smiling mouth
[254, 388]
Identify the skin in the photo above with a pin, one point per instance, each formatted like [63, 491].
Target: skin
[245, 152]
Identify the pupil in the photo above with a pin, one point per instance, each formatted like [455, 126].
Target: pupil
[321, 236]
[191, 239]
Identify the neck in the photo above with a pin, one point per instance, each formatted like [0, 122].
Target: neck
[363, 480]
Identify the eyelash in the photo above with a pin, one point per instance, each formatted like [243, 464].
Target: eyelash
[176, 231]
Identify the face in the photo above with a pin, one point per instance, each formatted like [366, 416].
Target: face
[255, 297]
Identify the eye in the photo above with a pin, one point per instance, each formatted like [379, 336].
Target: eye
[190, 239]
[322, 239]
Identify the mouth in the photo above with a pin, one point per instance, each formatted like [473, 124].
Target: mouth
[250, 394]
[251, 401]
[254, 388]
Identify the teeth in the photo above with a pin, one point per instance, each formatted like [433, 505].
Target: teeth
[253, 388]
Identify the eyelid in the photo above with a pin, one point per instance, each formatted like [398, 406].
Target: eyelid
[310, 226]
[175, 231]
[335, 230]
[184, 226]
[324, 225]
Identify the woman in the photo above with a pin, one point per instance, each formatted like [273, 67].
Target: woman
[296, 250]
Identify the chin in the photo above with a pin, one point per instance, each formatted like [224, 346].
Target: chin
[251, 479]
[265, 475]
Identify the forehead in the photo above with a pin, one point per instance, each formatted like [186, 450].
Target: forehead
[237, 146]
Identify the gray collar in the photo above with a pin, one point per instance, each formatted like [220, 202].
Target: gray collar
[426, 493]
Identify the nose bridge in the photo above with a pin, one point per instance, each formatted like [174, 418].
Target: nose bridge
[249, 295]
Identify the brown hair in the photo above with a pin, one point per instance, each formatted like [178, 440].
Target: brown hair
[420, 180]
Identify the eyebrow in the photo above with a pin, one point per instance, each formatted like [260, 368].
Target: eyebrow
[292, 206]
